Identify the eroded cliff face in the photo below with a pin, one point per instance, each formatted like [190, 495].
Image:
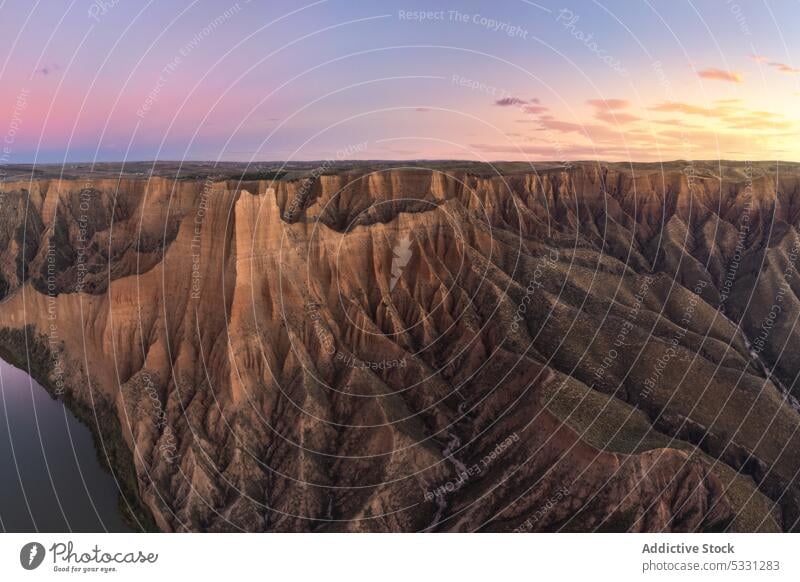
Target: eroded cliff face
[594, 348]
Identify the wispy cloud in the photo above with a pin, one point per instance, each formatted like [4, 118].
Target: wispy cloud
[47, 69]
[509, 102]
[720, 75]
[784, 68]
[616, 116]
[545, 151]
[613, 104]
[610, 110]
[729, 113]
[675, 122]
[781, 67]
[534, 109]
[679, 107]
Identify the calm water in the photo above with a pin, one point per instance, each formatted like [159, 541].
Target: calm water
[50, 477]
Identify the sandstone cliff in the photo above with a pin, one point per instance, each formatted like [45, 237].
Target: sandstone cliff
[600, 347]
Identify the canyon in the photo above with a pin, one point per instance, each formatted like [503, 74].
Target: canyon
[420, 347]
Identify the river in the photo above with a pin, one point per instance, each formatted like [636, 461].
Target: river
[52, 480]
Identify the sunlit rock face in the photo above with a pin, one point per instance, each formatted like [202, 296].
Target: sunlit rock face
[598, 347]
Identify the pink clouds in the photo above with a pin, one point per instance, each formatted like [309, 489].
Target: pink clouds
[784, 68]
[610, 110]
[534, 109]
[686, 108]
[616, 117]
[780, 67]
[613, 104]
[720, 75]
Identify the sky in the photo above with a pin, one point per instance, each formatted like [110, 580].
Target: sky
[652, 80]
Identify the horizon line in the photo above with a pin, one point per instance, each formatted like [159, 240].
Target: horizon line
[397, 161]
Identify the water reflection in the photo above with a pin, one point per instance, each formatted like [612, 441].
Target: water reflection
[52, 480]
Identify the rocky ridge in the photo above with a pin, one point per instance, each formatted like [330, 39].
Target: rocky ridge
[598, 347]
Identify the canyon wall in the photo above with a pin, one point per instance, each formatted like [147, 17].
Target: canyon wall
[589, 348]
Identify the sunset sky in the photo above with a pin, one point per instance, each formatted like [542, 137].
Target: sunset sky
[504, 80]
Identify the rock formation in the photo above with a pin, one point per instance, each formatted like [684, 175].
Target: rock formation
[601, 347]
